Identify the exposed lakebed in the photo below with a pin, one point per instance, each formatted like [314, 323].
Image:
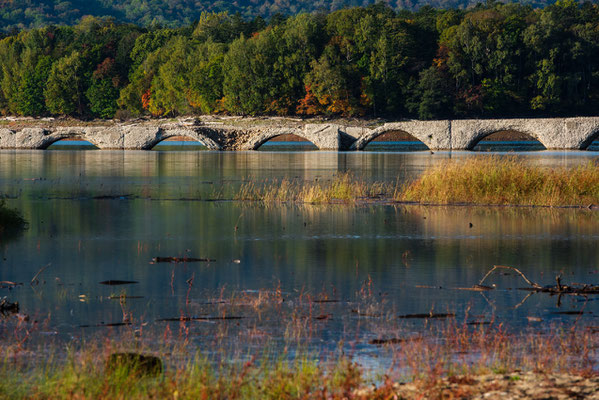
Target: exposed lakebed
[102, 219]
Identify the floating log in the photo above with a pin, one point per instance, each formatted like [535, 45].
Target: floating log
[204, 318]
[103, 325]
[429, 315]
[9, 284]
[113, 282]
[176, 260]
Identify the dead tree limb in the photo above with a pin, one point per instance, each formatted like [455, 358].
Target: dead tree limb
[34, 279]
[531, 283]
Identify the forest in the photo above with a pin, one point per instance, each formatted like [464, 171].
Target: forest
[491, 60]
[20, 14]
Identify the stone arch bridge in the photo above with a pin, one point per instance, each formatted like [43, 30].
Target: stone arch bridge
[554, 133]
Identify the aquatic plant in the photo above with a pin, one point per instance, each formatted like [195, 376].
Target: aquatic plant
[484, 180]
[171, 365]
[343, 188]
[452, 349]
[504, 181]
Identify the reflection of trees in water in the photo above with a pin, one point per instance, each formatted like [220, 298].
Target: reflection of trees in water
[12, 224]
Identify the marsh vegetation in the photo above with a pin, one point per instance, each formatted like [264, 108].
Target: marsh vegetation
[484, 180]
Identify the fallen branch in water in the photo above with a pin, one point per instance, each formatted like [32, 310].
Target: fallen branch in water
[9, 284]
[558, 288]
[531, 283]
[176, 260]
[34, 280]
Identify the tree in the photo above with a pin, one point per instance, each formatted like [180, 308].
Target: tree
[103, 92]
[430, 97]
[30, 98]
[64, 94]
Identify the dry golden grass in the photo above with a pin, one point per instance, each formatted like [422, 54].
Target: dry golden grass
[504, 180]
[343, 188]
[480, 180]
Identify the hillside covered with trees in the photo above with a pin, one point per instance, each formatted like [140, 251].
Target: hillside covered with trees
[19, 14]
[494, 60]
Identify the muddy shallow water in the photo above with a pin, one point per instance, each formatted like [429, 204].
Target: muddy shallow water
[323, 272]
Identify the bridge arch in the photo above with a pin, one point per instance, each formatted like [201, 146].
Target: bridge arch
[480, 136]
[164, 141]
[287, 137]
[258, 140]
[165, 134]
[57, 137]
[492, 140]
[592, 137]
[397, 135]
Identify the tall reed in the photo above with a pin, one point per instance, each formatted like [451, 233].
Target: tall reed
[344, 188]
[480, 180]
[503, 181]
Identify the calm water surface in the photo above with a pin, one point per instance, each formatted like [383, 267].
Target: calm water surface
[103, 215]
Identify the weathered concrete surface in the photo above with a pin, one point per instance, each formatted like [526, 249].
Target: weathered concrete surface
[324, 136]
[7, 139]
[553, 133]
[434, 134]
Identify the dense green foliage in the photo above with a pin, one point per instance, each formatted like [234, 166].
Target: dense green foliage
[19, 14]
[490, 61]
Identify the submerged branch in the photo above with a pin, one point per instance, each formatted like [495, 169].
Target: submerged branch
[559, 288]
[495, 267]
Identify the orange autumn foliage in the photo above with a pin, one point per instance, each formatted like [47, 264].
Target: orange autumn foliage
[309, 105]
[145, 99]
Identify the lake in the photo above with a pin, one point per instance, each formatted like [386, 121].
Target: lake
[325, 273]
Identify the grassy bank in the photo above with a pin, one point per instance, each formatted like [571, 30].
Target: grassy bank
[380, 355]
[11, 221]
[419, 365]
[480, 180]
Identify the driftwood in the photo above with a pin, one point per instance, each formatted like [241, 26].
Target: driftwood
[201, 318]
[177, 260]
[531, 283]
[7, 307]
[559, 288]
[426, 316]
[34, 280]
[9, 284]
[113, 282]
